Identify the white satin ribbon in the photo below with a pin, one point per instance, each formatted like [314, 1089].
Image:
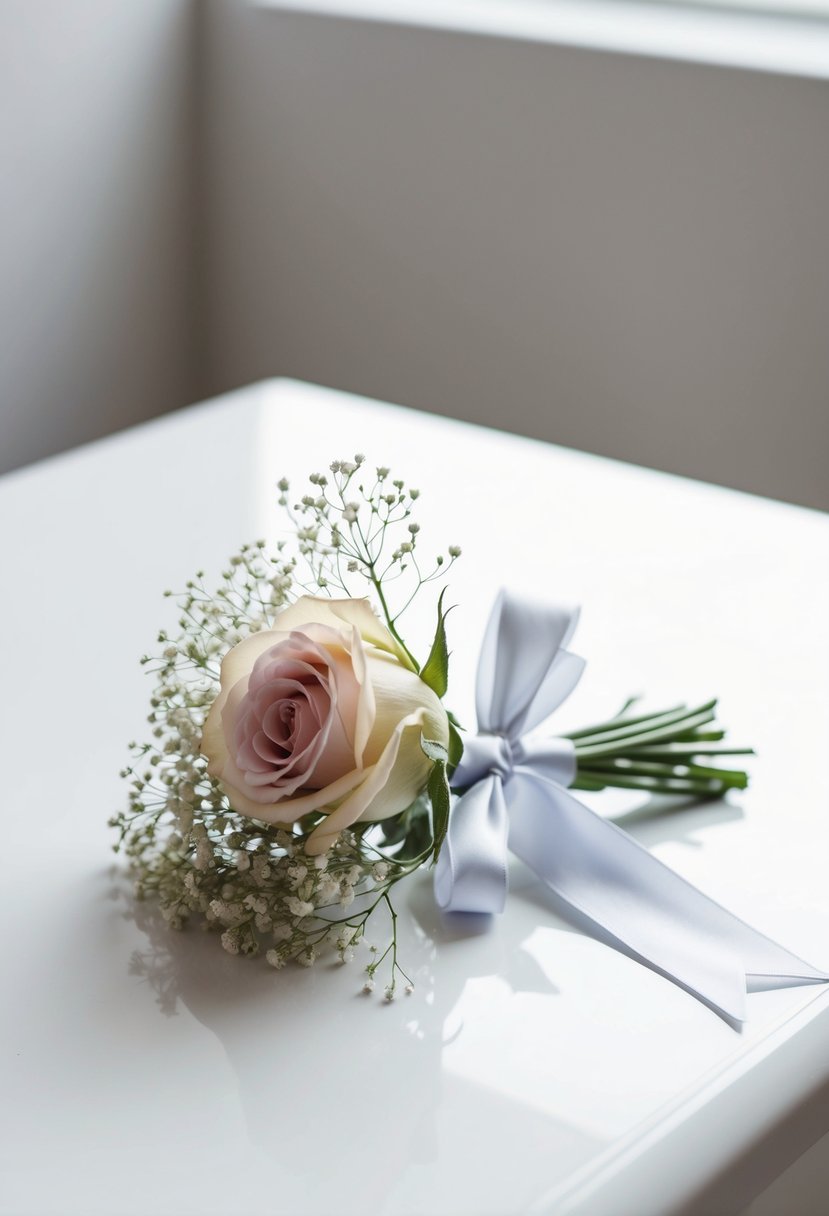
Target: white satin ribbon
[517, 799]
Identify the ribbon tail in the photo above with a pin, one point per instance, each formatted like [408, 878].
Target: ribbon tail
[640, 904]
[471, 871]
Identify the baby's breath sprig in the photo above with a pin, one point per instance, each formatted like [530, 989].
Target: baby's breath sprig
[253, 882]
[347, 527]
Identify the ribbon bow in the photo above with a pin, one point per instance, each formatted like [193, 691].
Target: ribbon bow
[518, 800]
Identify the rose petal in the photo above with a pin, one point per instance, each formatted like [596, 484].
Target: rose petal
[396, 690]
[291, 809]
[382, 779]
[355, 612]
[248, 712]
[268, 751]
[239, 662]
[352, 694]
[364, 711]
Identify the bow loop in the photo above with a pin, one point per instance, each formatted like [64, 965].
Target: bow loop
[524, 673]
[471, 873]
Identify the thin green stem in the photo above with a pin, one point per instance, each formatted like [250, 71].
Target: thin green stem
[677, 750]
[378, 587]
[645, 738]
[615, 723]
[678, 720]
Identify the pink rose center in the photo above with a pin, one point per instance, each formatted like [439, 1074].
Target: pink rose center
[287, 731]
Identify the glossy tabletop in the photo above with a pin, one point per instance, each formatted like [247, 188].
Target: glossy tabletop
[533, 1069]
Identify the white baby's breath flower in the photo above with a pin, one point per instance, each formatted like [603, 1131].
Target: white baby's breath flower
[328, 891]
[296, 874]
[204, 855]
[231, 941]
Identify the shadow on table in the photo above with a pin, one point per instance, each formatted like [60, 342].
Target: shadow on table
[362, 1060]
[670, 820]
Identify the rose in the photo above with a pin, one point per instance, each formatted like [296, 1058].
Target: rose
[323, 712]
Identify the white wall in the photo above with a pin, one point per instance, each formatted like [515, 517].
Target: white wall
[621, 254]
[97, 127]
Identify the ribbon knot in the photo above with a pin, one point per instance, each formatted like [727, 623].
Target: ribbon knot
[483, 754]
[514, 796]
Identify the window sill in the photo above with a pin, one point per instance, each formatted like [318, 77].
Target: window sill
[789, 45]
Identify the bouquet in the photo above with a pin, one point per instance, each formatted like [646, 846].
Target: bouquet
[303, 762]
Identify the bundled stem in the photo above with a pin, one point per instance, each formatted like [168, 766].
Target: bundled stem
[667, 752]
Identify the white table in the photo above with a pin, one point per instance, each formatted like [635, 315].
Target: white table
[533, 1070]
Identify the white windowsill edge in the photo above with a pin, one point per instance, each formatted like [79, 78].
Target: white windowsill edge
[789, 45]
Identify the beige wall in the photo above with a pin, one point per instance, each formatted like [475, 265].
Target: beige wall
[620, 254]
[96, 218]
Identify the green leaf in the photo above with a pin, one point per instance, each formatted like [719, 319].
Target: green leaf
[438, 790]
[435, 671]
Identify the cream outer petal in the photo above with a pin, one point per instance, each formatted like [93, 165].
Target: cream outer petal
[395, 780]
[381, 780]
[358, 613]
[397, 692]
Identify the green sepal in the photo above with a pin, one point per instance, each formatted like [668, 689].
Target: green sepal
[418, 834]
[455, 745]
[434, 750]
[438, 790]
[435, 671]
